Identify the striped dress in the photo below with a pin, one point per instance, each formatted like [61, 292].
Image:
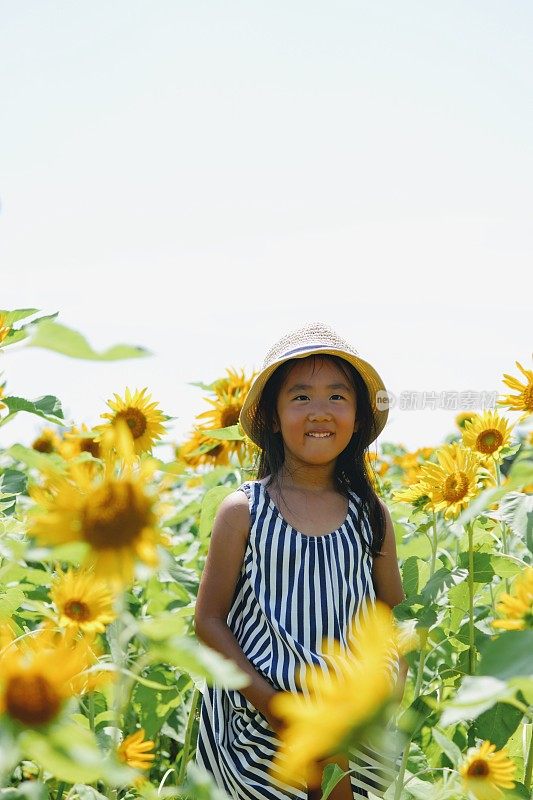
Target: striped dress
[293, 590]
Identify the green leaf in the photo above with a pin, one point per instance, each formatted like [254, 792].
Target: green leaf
[498, 723]
[210, 503]
[53, 336]
[410, 575]
[483, 571]
[32, 458]
[331, 776]
[517, 511]
[17, 314]
[47, 407]
[506, 566]
[447, 746]
[475, 695]
[232, 433]
[11, 600]
[509, 655]
[12, 481]
[27, 790]
[71, 754]
[163, 626]
[200, 661]
[442, 579]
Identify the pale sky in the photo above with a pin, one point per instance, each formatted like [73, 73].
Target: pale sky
[200, 178]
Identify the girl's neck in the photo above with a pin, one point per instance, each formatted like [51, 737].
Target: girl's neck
[307, 478]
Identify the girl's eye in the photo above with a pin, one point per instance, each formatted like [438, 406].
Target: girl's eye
[337, 396]
[301, 397]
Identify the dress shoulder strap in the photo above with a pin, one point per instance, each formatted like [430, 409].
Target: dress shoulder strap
[252, 491]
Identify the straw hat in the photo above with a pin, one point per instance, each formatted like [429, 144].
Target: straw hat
[315, 339]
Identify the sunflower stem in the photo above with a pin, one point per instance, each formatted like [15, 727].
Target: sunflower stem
[503, 524]
[433, 547]
[90, 710]
[471, 631]
[60, 790]
[529, 763]
[188, 735]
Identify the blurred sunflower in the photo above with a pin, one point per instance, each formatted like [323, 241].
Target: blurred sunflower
[144, 419]
[83, 602]
[523, 401]
[517, 607]
[453, 482]
[76, 441]
[484, 771]
[230, 393]
[113, 513]
[135, 752]
[199, 449]
[341, 700]
[4, 328]
[464, 416]
[37, 677]
[47, 442]
[487, 434]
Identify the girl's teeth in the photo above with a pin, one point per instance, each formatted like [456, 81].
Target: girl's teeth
[319, 435]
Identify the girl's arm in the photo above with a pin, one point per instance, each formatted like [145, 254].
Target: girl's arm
[388, 583]
[215, 594]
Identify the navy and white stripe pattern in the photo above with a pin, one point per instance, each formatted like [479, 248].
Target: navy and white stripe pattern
[293, 591]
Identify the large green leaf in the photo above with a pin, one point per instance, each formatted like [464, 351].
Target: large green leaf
[11, 599]
[476, 695]
[508, 655]
[517, 511]
[44, 462]
[483, 570]
[53, 336]
[71, 754]
[506, 566]
[210, 503]
[199, 661]
[47, 407]
[232, 433]
[498, 723]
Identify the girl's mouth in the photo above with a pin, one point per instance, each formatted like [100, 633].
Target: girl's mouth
[319, 434]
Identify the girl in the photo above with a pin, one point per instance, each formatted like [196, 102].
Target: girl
[292, 556]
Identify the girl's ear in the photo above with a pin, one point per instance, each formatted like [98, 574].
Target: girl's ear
[275, 424]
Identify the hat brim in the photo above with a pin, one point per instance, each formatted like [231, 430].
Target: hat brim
[375, 385]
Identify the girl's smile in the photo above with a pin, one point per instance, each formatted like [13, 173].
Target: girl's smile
[316, 411]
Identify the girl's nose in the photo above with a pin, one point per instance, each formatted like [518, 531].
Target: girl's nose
[319, 412]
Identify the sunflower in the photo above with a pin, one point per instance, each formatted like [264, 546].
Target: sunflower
[135, 751]
[76, 441]
[230, 393]
[38, 676]
[4, 328]
[484, 771]
[487, 434]
[112, 513]
[200, 449]
[453, 482]
[47, 442]
[144, 419]
[412, 493]
[517, 607]
[340, 701]
[524, 400]
[82, 601]
[463, 417]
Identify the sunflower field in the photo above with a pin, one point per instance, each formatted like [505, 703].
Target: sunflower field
[102, 546]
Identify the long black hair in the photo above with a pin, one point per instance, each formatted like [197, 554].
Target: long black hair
[350, 470]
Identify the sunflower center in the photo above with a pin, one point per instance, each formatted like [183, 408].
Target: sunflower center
[455, 487]
[77, 610]
[230, 415]
[43, 446]
[528, 397]
[31, 699]
[488, 441]
[90, 446]
[114, 515]
[134, 419]
[479, 768]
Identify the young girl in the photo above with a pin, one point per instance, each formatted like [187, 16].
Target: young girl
[293, 555]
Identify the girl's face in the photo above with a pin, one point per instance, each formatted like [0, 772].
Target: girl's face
[316, 411]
